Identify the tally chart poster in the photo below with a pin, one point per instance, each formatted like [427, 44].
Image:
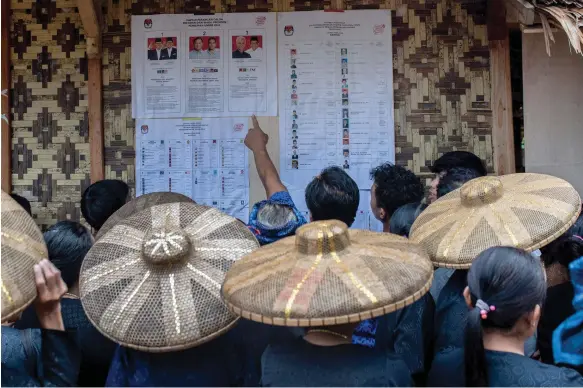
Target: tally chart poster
[204, 159]
[221, 65]
[335, 75]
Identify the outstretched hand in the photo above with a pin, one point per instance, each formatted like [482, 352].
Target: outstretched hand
[50, 288]
[256, 139]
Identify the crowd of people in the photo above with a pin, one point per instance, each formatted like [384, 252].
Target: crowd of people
[478, 282]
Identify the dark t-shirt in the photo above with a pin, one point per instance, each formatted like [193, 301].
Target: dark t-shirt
[297, 363]
[96, 350]
[504, 370]
[450, 313]
[556, 309]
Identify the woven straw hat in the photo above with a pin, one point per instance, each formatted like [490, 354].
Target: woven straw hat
[138, 204]
[526, 211]
[22, 247]
[327, 275]
[153, 282]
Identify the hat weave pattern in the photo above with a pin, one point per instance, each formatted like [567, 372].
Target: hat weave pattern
[153, 281]
[526, 211]
[138, 204]
[327, 275]
[22, 247]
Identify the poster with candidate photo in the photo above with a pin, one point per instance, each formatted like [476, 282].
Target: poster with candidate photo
[221, 65]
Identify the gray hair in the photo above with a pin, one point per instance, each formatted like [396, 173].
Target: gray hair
[274, 215]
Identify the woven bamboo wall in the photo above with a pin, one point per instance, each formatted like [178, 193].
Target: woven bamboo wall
[441, 76]
[50, 150]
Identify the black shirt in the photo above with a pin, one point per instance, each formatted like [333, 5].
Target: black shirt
[96, 350]
[241, 55]
[297, 363]
[503, 370]
[556, 309]
[450, 313]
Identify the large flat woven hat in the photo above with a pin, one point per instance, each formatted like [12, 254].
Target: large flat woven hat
[525, 210]
[138, 204]
[326, 275]
[22, 247]
[153, 282]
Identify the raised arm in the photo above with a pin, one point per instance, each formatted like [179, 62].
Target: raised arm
[256, 140]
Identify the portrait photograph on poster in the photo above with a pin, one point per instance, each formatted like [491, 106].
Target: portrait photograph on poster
[162, 48]
[247, 47]
[204, 47]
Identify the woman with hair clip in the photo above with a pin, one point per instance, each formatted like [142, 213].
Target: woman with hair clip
[505, 292]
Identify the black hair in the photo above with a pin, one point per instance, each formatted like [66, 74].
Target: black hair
[197, 38]
[464, 159]
[68, 242]
[254, 38]
[102, 199]
[25, 203]
[563, 251]
[404, 217]
[212, 38]
[170, 40]
[454, 179]
[395, 186]
[333, 195]
[513, 281]
[577, 228]
[158, 40]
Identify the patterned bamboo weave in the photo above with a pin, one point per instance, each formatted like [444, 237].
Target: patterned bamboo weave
[327, 275]
[22, 247]
[153, 281]
[527, 211]
[138, 204]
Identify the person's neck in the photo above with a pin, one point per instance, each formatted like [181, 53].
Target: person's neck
[74, 289]
[503, 343]
[386, 228]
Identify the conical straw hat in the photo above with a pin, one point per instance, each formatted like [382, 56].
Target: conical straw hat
[153, 281]
[22, 247]
[526, 211]
[327, 275]
[138, 204]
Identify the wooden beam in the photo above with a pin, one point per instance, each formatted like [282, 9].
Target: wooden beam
[502, 123]
[91, 18]
[519, 11]
[95, 114]
[6, 170]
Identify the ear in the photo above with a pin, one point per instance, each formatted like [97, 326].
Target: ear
[534, 316]
[382, 214]
[467, 297]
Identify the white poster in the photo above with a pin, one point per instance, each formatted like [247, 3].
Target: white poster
[335, 95]
[204, 66]
[205, 159]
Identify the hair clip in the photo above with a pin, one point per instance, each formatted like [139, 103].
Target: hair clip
[484, 308]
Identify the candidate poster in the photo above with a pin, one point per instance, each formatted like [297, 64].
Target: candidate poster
[204, 159]
[335, 95]
[219, 65]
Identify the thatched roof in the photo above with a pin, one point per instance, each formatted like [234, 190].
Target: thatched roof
[564, 14]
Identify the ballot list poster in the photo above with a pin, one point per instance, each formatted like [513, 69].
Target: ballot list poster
[220, 65]
[335, 95]
[204, 159]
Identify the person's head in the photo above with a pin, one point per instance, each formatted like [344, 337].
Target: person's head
[212, 43]
[345, 153]
[102, 199]
[294, 81]
[169, 43]
[197, 44]
[404, 217]
[158, 44]
[345, 133]
[454, 179]
[22, 202]
[254, 43]
[295, 142]
[333, 195]
[275, 216]
[295, 112]
[453, 159]
[67, 243]
[505, 292]
[558, 255]
[577, 228]
[345, 122]
[295, 152]
[241, 43]
[393, 186]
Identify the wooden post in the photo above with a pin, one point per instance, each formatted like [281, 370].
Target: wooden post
[502, 125]
[6, 132]
[90, 15]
